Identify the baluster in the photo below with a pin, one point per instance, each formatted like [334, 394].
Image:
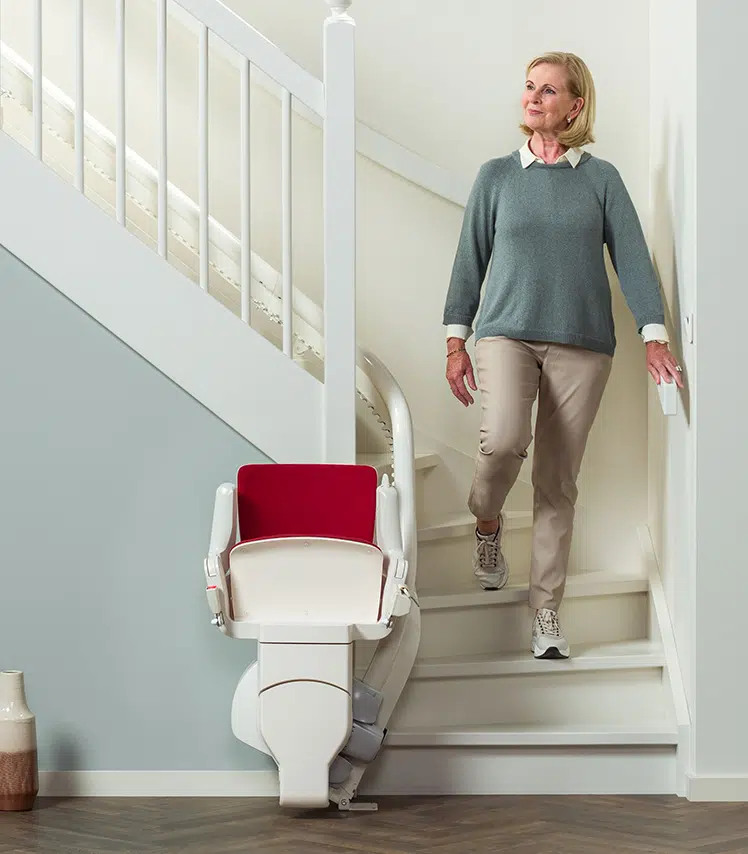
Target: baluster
[203, 155]
[79, 102]
[37, 85]
[121, 164]
[287, 271]
[163, 209]
[245, 185]
[1, 71]
[339, 158]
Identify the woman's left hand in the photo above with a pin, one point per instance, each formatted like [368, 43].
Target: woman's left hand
[661, 364]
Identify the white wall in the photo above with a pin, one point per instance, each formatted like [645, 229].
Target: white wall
[445, 83]
[673, 241]
[698, 462]
[721, 581]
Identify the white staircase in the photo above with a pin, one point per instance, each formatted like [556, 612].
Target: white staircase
[479, 714]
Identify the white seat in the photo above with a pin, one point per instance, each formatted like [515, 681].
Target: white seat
[306, 584]
[306, 580]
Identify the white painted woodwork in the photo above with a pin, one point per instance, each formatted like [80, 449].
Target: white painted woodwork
[576, 770]
[339, 212]
[120, 133]
[163, 149]
[249, 43]
[583, 768]
[495, 623]
[79, 97]
[618, 655]
[149, 305]
[37, 79]
[463, 525]
[245, 193]
[424, 461]
[538, 735]
[619, 696]
[448, 562]
[287, 229]
[203, 165]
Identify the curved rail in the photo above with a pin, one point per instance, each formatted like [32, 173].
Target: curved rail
[403, 451]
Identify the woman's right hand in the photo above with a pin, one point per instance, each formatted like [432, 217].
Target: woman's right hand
[459, 367]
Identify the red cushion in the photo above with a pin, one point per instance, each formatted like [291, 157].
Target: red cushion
[319, 500]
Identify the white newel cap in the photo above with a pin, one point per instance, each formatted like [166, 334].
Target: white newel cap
[339, 7]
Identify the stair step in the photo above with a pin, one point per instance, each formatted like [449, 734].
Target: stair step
[598, 608]
[424, 460]
[521, 735]
[463, 525]
[621, 655]
[467, 593]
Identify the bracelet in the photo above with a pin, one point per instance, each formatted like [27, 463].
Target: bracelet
[457, 350]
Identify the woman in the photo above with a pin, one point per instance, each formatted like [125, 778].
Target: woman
[541, 215]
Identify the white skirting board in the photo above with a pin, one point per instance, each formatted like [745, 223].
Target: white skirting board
[440, 771]
[158, 784]
[722, 789]
[647, 771]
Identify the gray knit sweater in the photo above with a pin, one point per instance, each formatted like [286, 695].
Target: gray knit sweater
[543, 230]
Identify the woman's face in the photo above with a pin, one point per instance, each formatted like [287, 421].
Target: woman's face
[546, 101]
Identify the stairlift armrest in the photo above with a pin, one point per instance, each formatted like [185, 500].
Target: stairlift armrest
[223, 530]
[389, 536]
[222, 539]
[396, 598]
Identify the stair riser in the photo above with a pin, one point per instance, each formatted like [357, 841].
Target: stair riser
[523, 771]
[543, 698]
[448, 561]
[477, 630]
[439, 495]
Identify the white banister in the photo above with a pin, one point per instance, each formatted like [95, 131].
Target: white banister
[244, 189]
[339, 166]
[287, 262]
[252, 45]
[80, 109]
[121, 171]
[203, 155]
[163, 207]
[38, 72]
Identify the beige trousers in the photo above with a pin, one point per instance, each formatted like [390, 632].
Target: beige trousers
[569, 383]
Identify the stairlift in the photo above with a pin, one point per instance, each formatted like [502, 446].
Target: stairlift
[307, 559]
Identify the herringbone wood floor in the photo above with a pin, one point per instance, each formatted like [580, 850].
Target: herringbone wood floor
[519, 825]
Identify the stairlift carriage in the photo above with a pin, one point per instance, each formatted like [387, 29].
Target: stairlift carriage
[307, 559]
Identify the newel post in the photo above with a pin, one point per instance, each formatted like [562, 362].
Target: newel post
[340, 235]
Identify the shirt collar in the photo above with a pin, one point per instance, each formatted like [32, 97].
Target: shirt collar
[573, 155]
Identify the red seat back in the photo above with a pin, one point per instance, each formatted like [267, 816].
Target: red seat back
[289, 500]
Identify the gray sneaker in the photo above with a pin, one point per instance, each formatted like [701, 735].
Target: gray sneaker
[489, 565]
[548, 640]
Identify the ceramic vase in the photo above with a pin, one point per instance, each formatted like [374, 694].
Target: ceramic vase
[19, 773]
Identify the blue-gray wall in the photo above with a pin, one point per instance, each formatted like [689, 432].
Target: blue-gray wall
[107, 474]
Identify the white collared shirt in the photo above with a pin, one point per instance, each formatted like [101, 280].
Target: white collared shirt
[650, 332]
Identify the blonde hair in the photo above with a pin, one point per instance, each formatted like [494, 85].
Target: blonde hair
[581, 85]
